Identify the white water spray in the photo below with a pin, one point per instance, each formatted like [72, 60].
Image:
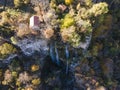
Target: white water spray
[67, 57]
[52, 53]
[57, 55]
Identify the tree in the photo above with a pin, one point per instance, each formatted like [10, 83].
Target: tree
[6, 49]
[19, 3]
[5, 3]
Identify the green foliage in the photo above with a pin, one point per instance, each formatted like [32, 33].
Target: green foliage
[68, 2]
[84, 26]
[36, 81]
[14, 40]
[98, 9]
[78, 22]
[20, 3]
[54, 3]
[13, 12]
[15, 65]
[75, 39]
[59, 1]
[103, 25]
[67, 21]
[71, 36]
[5, 18]
[26, 1]
[6, 49]
[88, 3]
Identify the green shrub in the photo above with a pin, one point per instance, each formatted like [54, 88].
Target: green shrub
[20, 3]
[6, 49]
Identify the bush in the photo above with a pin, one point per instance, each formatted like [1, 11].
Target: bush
[20, 3]
[23, 30]
[6, 49]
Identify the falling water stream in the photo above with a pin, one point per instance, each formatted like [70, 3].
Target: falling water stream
[67, 57]
[57, 55]
[52, 53]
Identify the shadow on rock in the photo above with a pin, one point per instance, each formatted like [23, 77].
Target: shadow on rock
[54, 77]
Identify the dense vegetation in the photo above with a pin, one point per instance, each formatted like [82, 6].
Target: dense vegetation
[68, 24]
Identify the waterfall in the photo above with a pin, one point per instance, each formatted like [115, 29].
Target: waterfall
[57, 55]
[52, 54]
[67, 67]
[84, 45]
[75, 53]
[67, 57]
[8, 60]
[88, 40]
[66, 52]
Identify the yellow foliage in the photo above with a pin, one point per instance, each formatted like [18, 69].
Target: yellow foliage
[6, 49]
[88, 2]
[53, 4]
[36, 81]
[14, 74]
[14, 41]
[18, 3]
[67, 21]
[23, 30]
[18, 83]
[65, 37]
[0, 72]
[26, 1]
[95, 51]
[98, 9]
[4, 82]
[5, 17]
[67, 33]
[34, 68]
[68, 2]
[29, 88]
[48, 33]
